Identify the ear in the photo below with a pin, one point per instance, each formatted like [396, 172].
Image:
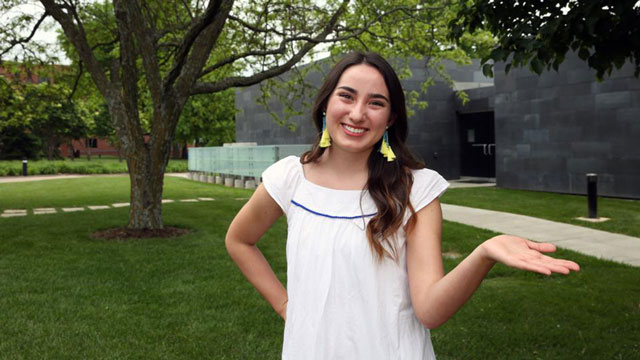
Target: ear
[392, 119]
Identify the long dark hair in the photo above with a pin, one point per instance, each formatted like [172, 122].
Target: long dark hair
[389, 183]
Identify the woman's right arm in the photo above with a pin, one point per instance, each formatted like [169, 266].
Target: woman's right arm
[251, 222]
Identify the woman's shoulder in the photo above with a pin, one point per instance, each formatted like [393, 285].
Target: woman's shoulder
[426, 175]
[283, 171]
[427, 185]
[285, 165]
[281, 179]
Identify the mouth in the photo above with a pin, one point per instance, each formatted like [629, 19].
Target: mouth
[354, 130]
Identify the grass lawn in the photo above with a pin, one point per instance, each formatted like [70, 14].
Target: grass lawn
[624, 214]
[103, 165]
[67, 296]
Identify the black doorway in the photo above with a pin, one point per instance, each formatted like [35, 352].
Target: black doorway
[477, 145]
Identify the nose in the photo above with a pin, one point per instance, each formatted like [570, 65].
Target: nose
[357, 113]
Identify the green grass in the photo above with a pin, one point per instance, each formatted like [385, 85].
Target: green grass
[624, 214]
[67, 296]
[104, 165]
[89, 191]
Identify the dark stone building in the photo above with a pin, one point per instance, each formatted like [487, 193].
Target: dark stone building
[554, 128]
[526, 131]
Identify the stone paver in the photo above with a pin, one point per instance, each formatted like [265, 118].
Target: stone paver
[167, 201]
[42, 211]
[15, 211]
[205, 199]
[98, 207]
[606, 245]
[73, 209]
[117, 205]
[6, 215]
[188, 200]
[453, 184]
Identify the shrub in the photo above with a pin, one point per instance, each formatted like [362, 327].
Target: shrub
[79, 166]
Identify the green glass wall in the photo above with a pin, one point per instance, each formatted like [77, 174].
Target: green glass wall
[249, 161]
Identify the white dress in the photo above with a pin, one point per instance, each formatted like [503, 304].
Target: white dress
[343, 303]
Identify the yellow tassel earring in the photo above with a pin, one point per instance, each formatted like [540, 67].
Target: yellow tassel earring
[325, 141]
[385, 148]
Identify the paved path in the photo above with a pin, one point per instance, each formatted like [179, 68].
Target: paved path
[611, 246]
[606, 245]
[8, 213]
[11, 179]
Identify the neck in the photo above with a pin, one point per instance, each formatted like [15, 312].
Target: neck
[346, 162]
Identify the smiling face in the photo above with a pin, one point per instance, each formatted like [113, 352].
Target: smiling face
[359, 109]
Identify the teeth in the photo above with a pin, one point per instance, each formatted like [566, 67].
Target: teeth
[354, 130]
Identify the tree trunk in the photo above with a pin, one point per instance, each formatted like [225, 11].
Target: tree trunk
[88, 150]
[71, 151]
[147, 180]
[50, 148]
[175, 152]
[185, 151]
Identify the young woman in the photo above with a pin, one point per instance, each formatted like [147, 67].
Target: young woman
[365, 278]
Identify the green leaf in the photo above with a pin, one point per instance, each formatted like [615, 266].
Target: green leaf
[583, 53]
[537, 65]
[487, 70]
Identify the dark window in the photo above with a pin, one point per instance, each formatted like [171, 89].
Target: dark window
[91, 143]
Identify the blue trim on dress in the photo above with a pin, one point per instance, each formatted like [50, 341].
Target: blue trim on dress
[331, 216]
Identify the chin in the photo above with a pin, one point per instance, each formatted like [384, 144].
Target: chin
[355, 148]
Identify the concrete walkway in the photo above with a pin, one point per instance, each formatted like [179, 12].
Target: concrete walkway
[11, 179]
[602, 244]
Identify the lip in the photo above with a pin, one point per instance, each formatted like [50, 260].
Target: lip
[355, 127]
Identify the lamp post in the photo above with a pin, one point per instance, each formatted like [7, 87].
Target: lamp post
[592, 195]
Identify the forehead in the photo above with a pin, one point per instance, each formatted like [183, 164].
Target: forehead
[363, 78]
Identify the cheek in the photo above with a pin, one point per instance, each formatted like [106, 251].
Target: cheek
[335, 110]
[381, 119]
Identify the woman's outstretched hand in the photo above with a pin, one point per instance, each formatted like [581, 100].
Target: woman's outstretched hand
[527, 255]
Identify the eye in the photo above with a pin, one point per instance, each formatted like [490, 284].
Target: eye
[378, 103]
[345, 95]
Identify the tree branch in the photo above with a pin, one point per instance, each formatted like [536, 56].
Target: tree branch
[128, 55]
[78, 38]
[241, 81]
[76, 81]
[186, 6]
[279, 51]
[147, 47]
[354, 33]
[187, 42]
[202, 50]
[254, 28]
[25, 39]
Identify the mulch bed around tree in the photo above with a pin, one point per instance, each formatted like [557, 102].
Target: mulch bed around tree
[125, 233]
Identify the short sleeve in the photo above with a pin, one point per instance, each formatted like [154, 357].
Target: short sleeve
[281, 179]
[427, 186]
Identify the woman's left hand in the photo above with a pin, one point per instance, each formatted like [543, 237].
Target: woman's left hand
[527, 255]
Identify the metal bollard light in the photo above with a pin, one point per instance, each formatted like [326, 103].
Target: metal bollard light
[592, 195]
[24, 167]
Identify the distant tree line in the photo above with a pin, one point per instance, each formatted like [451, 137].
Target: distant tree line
[38, 115]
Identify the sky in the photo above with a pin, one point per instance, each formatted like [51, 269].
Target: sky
[46, 33]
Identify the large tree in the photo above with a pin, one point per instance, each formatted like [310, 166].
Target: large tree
[160, 53]
[52, 118]
[37, 118]
[539, 33]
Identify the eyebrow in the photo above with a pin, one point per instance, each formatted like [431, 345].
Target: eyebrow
[374, 96]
